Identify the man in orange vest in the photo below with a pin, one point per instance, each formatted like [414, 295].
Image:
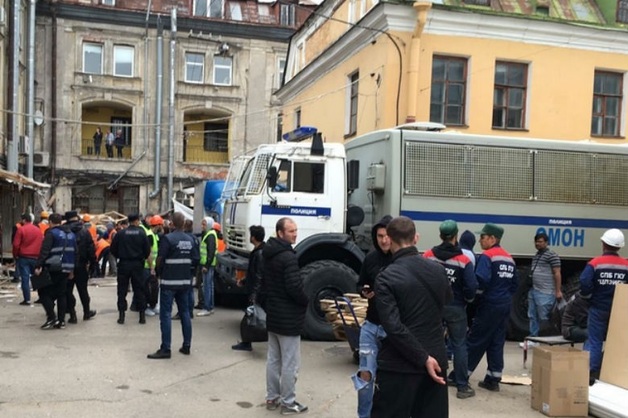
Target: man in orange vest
[43, 221]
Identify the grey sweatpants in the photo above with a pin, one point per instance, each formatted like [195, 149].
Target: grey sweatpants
[282, 367]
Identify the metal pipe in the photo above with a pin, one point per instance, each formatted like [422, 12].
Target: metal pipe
[30, 105]
[173, 42]
[53, 101]
[158, 102]
[12, 151]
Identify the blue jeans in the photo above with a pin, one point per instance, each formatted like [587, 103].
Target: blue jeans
[208, 289]
[370, 342]
[455, 318]
[26, 267]
[598, 327]
[181, 296]
[539, 308]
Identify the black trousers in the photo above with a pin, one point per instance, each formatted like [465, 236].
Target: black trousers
[55, 292]
[81, 276]
[405, 395]
[131, 271]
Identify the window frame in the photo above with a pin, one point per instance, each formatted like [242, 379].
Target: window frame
[353, 92]
[280, 71]
[214, 143]
[222, 66]
[287, 15]
[117, 48]
[444, 103]
[202, 65]
[507, 90]
[110, 3]
[101, 48]
[208, 8]
[622, 12]
[235, 7]
[619, 97]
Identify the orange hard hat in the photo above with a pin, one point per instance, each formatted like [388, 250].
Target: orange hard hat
[44, 214]
[156, 220]
[87, 218]
[217, 226]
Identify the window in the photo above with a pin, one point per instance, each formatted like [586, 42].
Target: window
[281, 65]
[478, 2]
[352, 104]
[123, 61]
[216, 137]
[194, 67]
[287, 16]
[449, 83]
[263, 10]
[222, 70]
[607, 98]
[351, 12]
[622, 11]
[92, 58]
[236, 12]
[279, 126]
[208, 8]
[509, 97]
[297, 118]
[108, 2]
[300, 177]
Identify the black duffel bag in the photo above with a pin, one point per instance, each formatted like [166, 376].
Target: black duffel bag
[253, 325]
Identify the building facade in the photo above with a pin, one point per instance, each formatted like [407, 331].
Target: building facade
[182, 93]
[537, 69]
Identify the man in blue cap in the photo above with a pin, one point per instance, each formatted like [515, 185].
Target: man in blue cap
[497, 278]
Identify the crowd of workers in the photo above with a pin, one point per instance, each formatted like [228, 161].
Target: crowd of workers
[403, 354]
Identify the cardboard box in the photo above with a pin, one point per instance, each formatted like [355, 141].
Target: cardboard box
[615, 361]
[560, 381]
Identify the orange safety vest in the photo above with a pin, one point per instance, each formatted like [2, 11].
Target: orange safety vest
[43, 227]
[101, 244]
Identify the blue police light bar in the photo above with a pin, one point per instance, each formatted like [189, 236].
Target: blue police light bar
[299, 134]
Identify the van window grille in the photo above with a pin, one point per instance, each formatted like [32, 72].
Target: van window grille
[563, 177]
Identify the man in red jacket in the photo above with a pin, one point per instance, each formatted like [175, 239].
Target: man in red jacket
[26, 247]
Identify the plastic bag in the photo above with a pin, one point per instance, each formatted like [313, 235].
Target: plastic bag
[253, 325]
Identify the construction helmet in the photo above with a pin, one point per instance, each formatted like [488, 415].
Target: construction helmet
[614, 238]
[44, 214]
[217, 226]
[87, 218]
[156, 220]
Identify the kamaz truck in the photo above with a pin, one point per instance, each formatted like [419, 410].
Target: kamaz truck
[335, 193]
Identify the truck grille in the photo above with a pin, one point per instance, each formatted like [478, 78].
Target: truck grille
[236, 238]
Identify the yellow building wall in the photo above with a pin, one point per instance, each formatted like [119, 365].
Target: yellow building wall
[560, 84]
[324, 104]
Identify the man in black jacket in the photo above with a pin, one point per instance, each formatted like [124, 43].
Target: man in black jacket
[253, 280]
[86, 255]
[371, 331]
[411, 294]
[285, 316]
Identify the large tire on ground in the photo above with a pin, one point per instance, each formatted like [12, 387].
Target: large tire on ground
[324, 279]
[519, 324]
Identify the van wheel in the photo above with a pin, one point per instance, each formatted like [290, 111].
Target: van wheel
[325, 279]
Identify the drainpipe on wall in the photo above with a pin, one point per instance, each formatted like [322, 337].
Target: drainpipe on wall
[159, 97]
[30, 109]
[14, 139]
[53, 101]
[173, 43]
[422, 8]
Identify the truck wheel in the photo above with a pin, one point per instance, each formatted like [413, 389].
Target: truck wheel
[324, 279]
[519, 325]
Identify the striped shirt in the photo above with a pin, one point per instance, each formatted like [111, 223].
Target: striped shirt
[542, 264]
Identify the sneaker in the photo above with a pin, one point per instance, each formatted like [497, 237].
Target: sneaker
[89, 315]
[465, 392]
[176, 317]
[73, 319]
[60, 325]
[25, 303]
[530, 344]
[272, 404]
[185, 349]
[149, 312]
[49, 324]
[295, 408]
[492, 386]
[451, 383]
[204, 312]
[159, 355]
[199, 307]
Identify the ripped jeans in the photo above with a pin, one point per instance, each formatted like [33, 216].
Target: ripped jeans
[370, 342]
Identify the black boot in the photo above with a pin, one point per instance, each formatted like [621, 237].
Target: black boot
[88, 315]
[121, 317]
[142, 317]
[73, 319]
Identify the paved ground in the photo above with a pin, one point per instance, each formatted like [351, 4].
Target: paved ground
[99, 369]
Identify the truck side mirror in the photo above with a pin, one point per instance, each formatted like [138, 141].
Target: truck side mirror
[353, 175]
[271, 177]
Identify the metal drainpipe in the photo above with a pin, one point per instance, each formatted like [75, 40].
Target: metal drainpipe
[14, 139]
[159, 97]
[31, 86]
[53, 101]
[173, 42]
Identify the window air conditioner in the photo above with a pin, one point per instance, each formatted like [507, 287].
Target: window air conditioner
[41, 159]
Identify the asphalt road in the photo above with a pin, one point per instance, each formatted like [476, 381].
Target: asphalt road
[99, 369]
